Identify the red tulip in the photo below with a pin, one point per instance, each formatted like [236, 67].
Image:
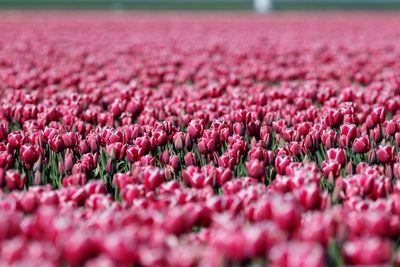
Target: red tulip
[255, 168]
[330, 167]
[56, 143]
[390, 127]
[29, 154]
[70, 139]
[14, 180]
[15, 139]
[334, 118]
[195, 128]
[367, 251]
[190, 159]
[281, 162]
[385, 154]
[297, 254]
[179, 140]
[361, 145]
[337, 155]
[152, 177]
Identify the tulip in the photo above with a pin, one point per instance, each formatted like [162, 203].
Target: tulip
[56, 143]
[396, 170]
[227, 161]
[378, 115]
[175, 162]
[6, 160]
[367, 251]
[14, 180]
[255, 168]
[350, 131]
[361, 145]
[179, 140]
[390, 127]
[29, 154]
[160, 137]
[28, 202]
[281, 162]
[70, 140]
[3, 132]
[385, 154]
[190, 159]
[334, 118]
[117, 150]
[223, 175]
[195, 129]
[15, 139]
[152, 177]
[330, 167]
[83, 147]
[337, 155]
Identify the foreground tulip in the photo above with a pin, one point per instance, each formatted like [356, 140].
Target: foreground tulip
[297, 254]
[14, 180]
[367, 251]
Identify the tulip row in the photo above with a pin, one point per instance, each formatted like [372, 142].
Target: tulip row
[199, 141]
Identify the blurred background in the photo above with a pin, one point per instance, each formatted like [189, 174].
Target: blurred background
[246, 5]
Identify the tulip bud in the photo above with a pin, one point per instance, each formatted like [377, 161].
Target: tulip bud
[28, 202]
[389, 172]
[375, 134]
[371, 156]
[349, 168]
[396, 170]
[3, 132]
[179, 140]
[84, 147]
[94, 142]
[378, 115]
[175, 162]
[169, 173]
[227, 161]
[190, 159]
[238, 129]
[224, 175]
[164, 157]
[188, 142]
[160, 137]
[397, 138]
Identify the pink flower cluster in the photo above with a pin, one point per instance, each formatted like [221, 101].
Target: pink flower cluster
[237, 140]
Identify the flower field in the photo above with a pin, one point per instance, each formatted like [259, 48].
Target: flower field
[199, 140]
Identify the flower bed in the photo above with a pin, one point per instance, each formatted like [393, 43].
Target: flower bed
[197, 140]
